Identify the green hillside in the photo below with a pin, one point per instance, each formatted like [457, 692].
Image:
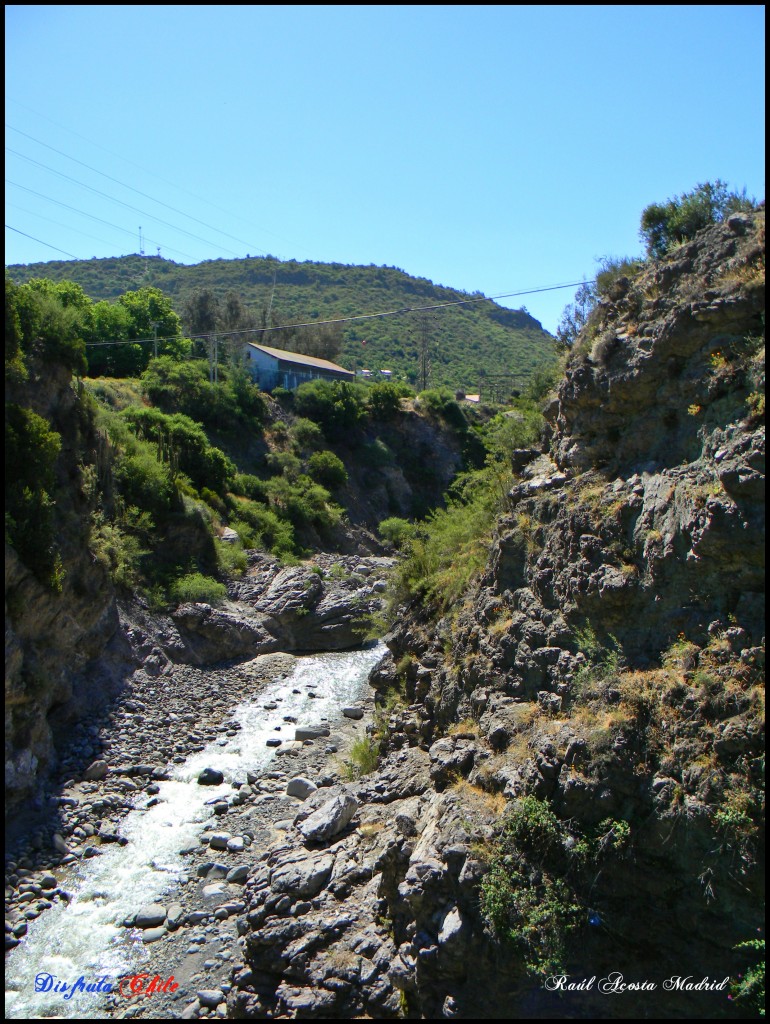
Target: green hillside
[465, 343]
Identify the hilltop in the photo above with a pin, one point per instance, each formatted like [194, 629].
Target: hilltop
[465, 342]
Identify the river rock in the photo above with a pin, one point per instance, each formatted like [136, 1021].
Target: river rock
[301, 788]
[330, 818]
[239, 874]
[210, 777]
[59, 844]
[355, 713]
[302, 875]
[96, 771]
[210, 997]
[151, 915]
[313, 732]
[175, 916]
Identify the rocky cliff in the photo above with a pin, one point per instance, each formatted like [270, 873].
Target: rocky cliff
[55, 630]
[570, 781]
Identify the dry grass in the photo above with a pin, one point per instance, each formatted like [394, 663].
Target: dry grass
[467, 725]
[476, 798]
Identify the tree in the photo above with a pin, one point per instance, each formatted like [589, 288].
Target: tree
[201, 312]
[575, 315]
[678, 219]
[52, 320]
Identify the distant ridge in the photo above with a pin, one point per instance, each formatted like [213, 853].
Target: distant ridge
[465, 343]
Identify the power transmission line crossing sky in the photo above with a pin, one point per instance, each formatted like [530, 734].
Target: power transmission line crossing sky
[482, 147]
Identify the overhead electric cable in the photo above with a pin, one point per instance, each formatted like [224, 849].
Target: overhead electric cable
[359, 316]
[130, 187]
[67, 227]
[120, 202]
[154, 174]
[91, 216]
[47, 244]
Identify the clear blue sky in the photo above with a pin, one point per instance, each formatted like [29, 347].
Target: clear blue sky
[489, 148]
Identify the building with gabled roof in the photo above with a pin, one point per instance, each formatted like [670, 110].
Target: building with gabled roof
[276, 367]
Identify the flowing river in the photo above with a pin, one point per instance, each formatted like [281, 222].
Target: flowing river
[86, 937]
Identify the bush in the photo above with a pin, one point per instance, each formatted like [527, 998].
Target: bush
[270, 531]
[384, 400]
[363, 757]
[284, 464]
[250, 487]
[441, 403]
[611, 270]
[397, 532]
[526, 904]
[677, 220]
[182, 443]
[328, 469]
[144, 481]
[376, 454]
[195, 587]
[307, 434]
[337, 406]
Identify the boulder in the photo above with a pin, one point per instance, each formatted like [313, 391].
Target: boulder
[301, 788]
[330, 818]
[96, 771]
[150, 916]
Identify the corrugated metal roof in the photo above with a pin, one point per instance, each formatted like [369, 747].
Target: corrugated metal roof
[297, 357]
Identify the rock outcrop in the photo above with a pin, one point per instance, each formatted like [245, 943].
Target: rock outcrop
[607, 665]
[319, 606]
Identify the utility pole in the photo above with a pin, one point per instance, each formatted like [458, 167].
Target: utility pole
[155, 326]
[213, 349]
[424, 355]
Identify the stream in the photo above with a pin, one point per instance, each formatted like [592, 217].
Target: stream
[85, 937]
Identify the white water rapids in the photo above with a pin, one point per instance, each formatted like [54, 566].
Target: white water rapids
[85, 937]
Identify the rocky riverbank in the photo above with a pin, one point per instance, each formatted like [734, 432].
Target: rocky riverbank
[169, 711]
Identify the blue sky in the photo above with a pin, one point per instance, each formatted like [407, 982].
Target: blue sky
[488, 148]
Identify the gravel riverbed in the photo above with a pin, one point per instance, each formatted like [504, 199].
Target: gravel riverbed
[120, 766]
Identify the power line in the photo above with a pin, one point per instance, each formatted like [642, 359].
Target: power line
[130, 187]
[91, 216]
[120, 202]
[14, 206]
[153, 174]
[348, 319]
[47, 244]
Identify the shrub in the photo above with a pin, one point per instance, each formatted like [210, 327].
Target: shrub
[195, 587]
[307, 434]
[250, 487]
[144, 481]
[270, 531]
[376, 454]
[363, 756]
[328, 469]
[285, 464]
[440, 402]
[384, 400]
[397, 532]
[529, 907]
[118, 551]
[232, 557]
[750, 986]
[182, 443]
[612, 270]
[337, 406]
[679, 219]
